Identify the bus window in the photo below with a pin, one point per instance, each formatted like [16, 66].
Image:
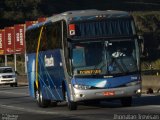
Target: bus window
[54, 33]
[43, 42]
[32, 40]
[78, 57]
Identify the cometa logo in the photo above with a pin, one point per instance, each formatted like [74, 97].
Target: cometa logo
[72, 29]
[72, 32]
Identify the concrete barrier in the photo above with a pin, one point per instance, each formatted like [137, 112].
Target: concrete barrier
[152, 82]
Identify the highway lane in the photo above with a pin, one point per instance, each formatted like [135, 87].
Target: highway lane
[16, 102]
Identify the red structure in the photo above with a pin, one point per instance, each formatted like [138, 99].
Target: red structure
[2, 42]
[30, 23]
[19, 38]
[42, 19]
[9, 40]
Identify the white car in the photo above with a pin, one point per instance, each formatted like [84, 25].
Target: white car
[8, 76]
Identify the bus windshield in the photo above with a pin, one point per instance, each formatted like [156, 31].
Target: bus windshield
[104, 57]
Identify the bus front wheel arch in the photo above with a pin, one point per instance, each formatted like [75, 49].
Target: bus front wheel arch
[63, 90]
[71, 105]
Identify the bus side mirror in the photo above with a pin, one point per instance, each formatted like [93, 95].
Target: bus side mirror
[141, 44]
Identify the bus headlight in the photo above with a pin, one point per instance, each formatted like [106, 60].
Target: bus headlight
[82, 87]
[138, 91]
[133, 83]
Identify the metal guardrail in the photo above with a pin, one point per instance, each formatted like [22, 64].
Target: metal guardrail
[151, 72]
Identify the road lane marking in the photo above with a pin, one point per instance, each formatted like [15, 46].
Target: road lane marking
[146, 108]
[14, 93]
[148, 95]
[26, 109]
[8, 87]
[156, 106]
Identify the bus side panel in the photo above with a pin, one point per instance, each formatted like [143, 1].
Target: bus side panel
[51, 74]
[31, 72]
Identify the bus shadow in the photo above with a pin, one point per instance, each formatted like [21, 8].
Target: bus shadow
[137, 102]
[147, 100]
[141, 101]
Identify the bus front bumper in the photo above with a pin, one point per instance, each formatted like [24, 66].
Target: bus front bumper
[97, 94]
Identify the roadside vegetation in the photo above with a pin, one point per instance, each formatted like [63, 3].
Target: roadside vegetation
[148, 25]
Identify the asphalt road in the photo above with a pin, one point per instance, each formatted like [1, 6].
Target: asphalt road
[16, 104]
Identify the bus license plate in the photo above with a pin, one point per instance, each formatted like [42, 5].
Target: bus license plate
[109, 93]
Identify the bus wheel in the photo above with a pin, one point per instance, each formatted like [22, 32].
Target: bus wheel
[40, 100]
[71, 105]
[54, 104]
[126, 101]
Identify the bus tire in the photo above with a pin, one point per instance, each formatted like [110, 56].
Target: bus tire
[126, 101]
[71, 105]
[40, 100]
[54, 104]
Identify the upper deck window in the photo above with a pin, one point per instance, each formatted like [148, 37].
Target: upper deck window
[103, 28]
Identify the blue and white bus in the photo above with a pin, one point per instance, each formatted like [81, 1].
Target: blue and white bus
[81, 56]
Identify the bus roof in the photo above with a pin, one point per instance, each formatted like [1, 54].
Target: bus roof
[92, 12]
[82, 13]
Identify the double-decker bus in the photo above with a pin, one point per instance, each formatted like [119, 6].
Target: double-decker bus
[84, 55]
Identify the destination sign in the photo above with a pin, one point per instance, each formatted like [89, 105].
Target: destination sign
[89, 71]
